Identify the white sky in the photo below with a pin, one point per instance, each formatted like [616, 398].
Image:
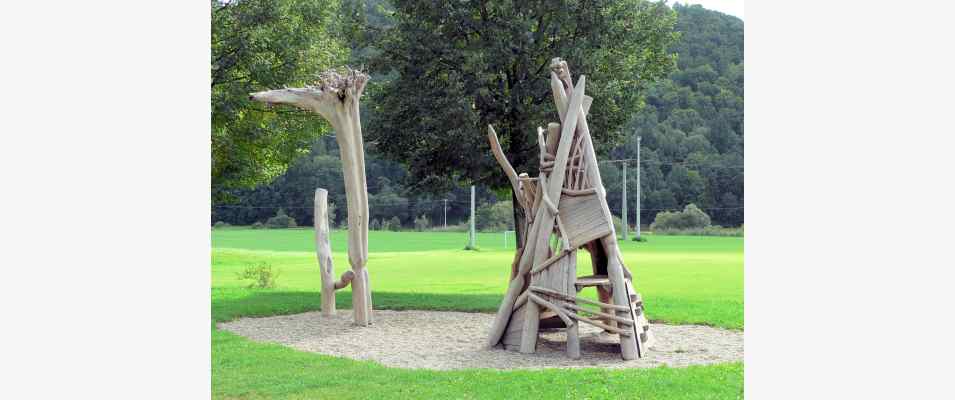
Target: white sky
[731, 7]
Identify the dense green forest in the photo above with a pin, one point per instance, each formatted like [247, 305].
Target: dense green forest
[692, 144]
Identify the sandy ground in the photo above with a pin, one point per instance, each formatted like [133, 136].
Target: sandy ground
[454, 340]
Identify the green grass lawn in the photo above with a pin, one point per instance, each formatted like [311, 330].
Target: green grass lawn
[683, 280]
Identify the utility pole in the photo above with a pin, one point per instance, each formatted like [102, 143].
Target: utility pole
[471, 239]
[445, 214]
[638, 187]
[626, 226]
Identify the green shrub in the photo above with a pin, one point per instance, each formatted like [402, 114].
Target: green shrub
[712, 230]
[618, 225]
[374, 225]
[261, 275]
[494, 217]
[258, 225]
[221, 224]
[692, 217]
[422, 223]
[332, 214]
[394, 224]
[280, 220]
[461, 227]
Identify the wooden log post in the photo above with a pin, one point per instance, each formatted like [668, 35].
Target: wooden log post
[323, 251]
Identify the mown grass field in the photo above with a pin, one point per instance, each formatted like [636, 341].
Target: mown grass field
[683, 280]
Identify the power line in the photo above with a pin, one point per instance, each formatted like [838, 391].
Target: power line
[684, 163]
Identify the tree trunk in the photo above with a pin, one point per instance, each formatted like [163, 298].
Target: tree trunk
[519, 220]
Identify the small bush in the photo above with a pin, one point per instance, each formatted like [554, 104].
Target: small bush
[374, 225]
[394, 224]
[692, 217]
[261, 275]
[258, 225]
[618, 226]
[221, 224]
[461, 227]
[280, 220]
[422, 223]
[494, 217]
[713, 230]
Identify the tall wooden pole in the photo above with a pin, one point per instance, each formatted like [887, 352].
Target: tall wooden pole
[638, 187]
[626, 220]
[471, 236]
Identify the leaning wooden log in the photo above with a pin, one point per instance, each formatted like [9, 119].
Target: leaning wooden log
[504, 163]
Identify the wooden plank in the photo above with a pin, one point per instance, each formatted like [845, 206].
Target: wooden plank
[584, 219]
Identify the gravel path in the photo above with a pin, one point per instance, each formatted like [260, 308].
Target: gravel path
[454, 340]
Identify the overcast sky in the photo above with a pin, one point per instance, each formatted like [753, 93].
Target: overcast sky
[731, 7]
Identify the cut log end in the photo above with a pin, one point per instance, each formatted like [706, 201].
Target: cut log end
[346, 278]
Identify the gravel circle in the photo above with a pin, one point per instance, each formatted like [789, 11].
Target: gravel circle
[442, 340]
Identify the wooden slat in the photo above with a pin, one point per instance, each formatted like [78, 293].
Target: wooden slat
[608, 328]
[559, 311]
[578, 192]
[547, 263]
[602, 314]
[576, 298]
[593, 280]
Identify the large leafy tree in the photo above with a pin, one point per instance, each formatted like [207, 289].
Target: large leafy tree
[462, 65]
[259, 44]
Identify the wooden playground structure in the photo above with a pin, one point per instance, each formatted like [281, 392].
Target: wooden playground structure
[566, 210]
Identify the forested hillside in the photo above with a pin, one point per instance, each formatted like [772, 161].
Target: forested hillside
[692, 126]
[692, 145]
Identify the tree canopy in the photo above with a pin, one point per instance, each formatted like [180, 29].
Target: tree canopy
[460, 66]
[256, 45]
